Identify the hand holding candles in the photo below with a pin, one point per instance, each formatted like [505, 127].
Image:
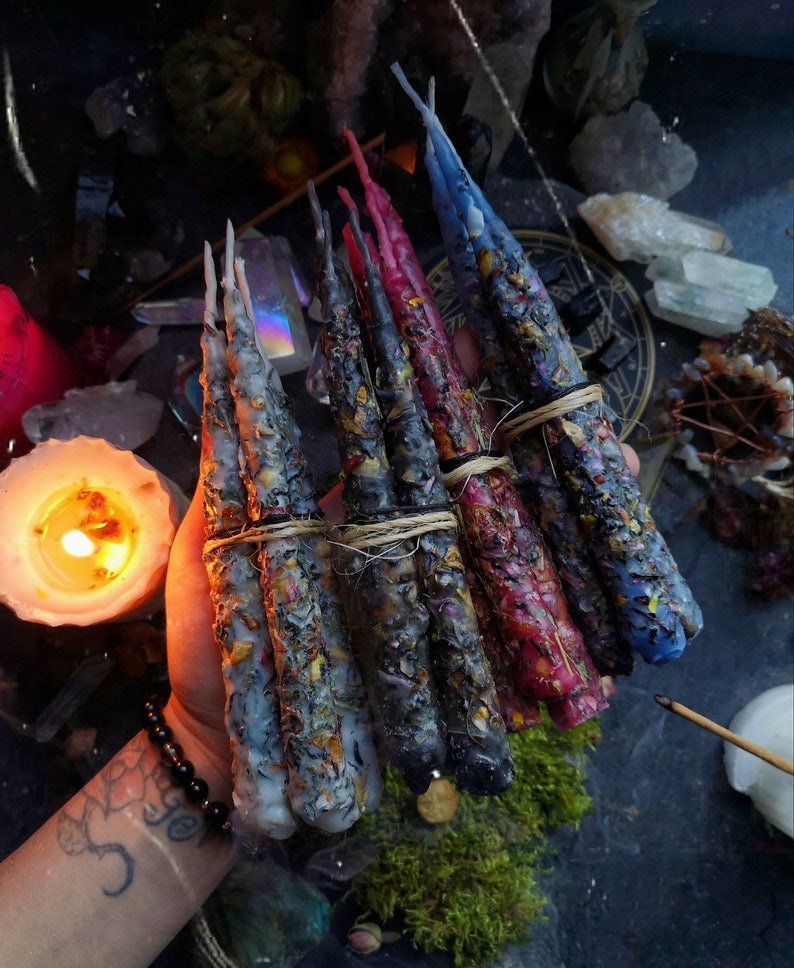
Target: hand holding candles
[87, 530]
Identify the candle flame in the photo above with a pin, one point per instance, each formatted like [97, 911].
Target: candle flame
[77, 544]
[86, 538]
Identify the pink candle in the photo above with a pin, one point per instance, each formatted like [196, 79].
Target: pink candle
[33, 369]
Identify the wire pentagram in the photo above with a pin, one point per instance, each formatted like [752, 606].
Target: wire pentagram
[729, 414]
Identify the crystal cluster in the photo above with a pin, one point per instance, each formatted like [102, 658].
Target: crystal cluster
[695, 284]
[631, 151]
[636, 227]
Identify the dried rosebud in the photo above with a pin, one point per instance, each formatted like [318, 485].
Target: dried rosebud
[363, 939]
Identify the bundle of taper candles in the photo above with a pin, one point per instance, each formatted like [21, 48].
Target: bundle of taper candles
[490, 583]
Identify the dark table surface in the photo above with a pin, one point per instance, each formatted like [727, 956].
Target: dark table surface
[673, 867]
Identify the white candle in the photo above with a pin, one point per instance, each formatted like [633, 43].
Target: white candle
[767, 720]
[87, 530]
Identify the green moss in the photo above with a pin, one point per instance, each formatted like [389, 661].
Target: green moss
[469, 887]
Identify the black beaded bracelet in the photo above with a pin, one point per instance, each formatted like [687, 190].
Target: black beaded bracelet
[183, 772]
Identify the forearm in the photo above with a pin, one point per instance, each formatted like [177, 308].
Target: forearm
[113, 876]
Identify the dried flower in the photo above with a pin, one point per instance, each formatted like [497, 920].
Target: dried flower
[364, 939]
[773, 576]
[293, 162]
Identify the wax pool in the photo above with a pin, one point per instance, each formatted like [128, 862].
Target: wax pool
[87, 537]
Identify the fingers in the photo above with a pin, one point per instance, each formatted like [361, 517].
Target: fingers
[464, 343]
[193, 660]
[631, 458]
[331, 505]
[187, 578]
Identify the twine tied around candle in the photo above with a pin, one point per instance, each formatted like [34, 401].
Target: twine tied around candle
[273, 530]
[577, 396]
[468, 465]
[363, 535]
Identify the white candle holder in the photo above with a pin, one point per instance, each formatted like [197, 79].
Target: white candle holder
[87, 529]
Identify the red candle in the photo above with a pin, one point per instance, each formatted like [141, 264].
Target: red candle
[33, 369]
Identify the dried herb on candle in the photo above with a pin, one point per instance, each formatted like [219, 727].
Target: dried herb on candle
[355, 715]
[453, 437]
[585, 590]
[249, 674]
[656, 611]
[540, 488]
[518, 711]
[478, 752]
[321, 789]
[386, 583]
[523, 587]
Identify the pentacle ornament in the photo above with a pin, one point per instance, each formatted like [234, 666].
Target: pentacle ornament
[599, 307]
[732, 418]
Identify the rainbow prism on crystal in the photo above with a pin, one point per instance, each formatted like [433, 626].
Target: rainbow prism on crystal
[278, 294]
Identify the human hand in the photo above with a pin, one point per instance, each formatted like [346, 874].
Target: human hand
[195, 710]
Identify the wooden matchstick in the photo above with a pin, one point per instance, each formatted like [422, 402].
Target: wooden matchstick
[760, 751]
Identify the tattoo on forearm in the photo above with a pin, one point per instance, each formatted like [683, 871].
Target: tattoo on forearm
[137, 784]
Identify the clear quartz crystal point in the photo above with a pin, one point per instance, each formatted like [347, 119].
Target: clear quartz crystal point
[279, 292]
[698, 324]
[484, 100]
[753, 284]
[701, 303]
[706, 292]
[636, 227]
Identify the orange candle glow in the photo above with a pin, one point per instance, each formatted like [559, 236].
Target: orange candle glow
[87, 530]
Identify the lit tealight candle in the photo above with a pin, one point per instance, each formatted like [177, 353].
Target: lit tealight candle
[87, 531]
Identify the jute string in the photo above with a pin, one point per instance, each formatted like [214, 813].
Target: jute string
[557, 408]
[479, 464]
[377, 534]
[256, 534]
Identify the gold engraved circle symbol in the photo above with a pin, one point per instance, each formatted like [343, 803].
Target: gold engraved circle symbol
[628, 388]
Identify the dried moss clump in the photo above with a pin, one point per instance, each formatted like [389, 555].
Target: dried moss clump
[469, 887]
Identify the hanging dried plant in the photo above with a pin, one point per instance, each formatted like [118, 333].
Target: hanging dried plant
[227, 102]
